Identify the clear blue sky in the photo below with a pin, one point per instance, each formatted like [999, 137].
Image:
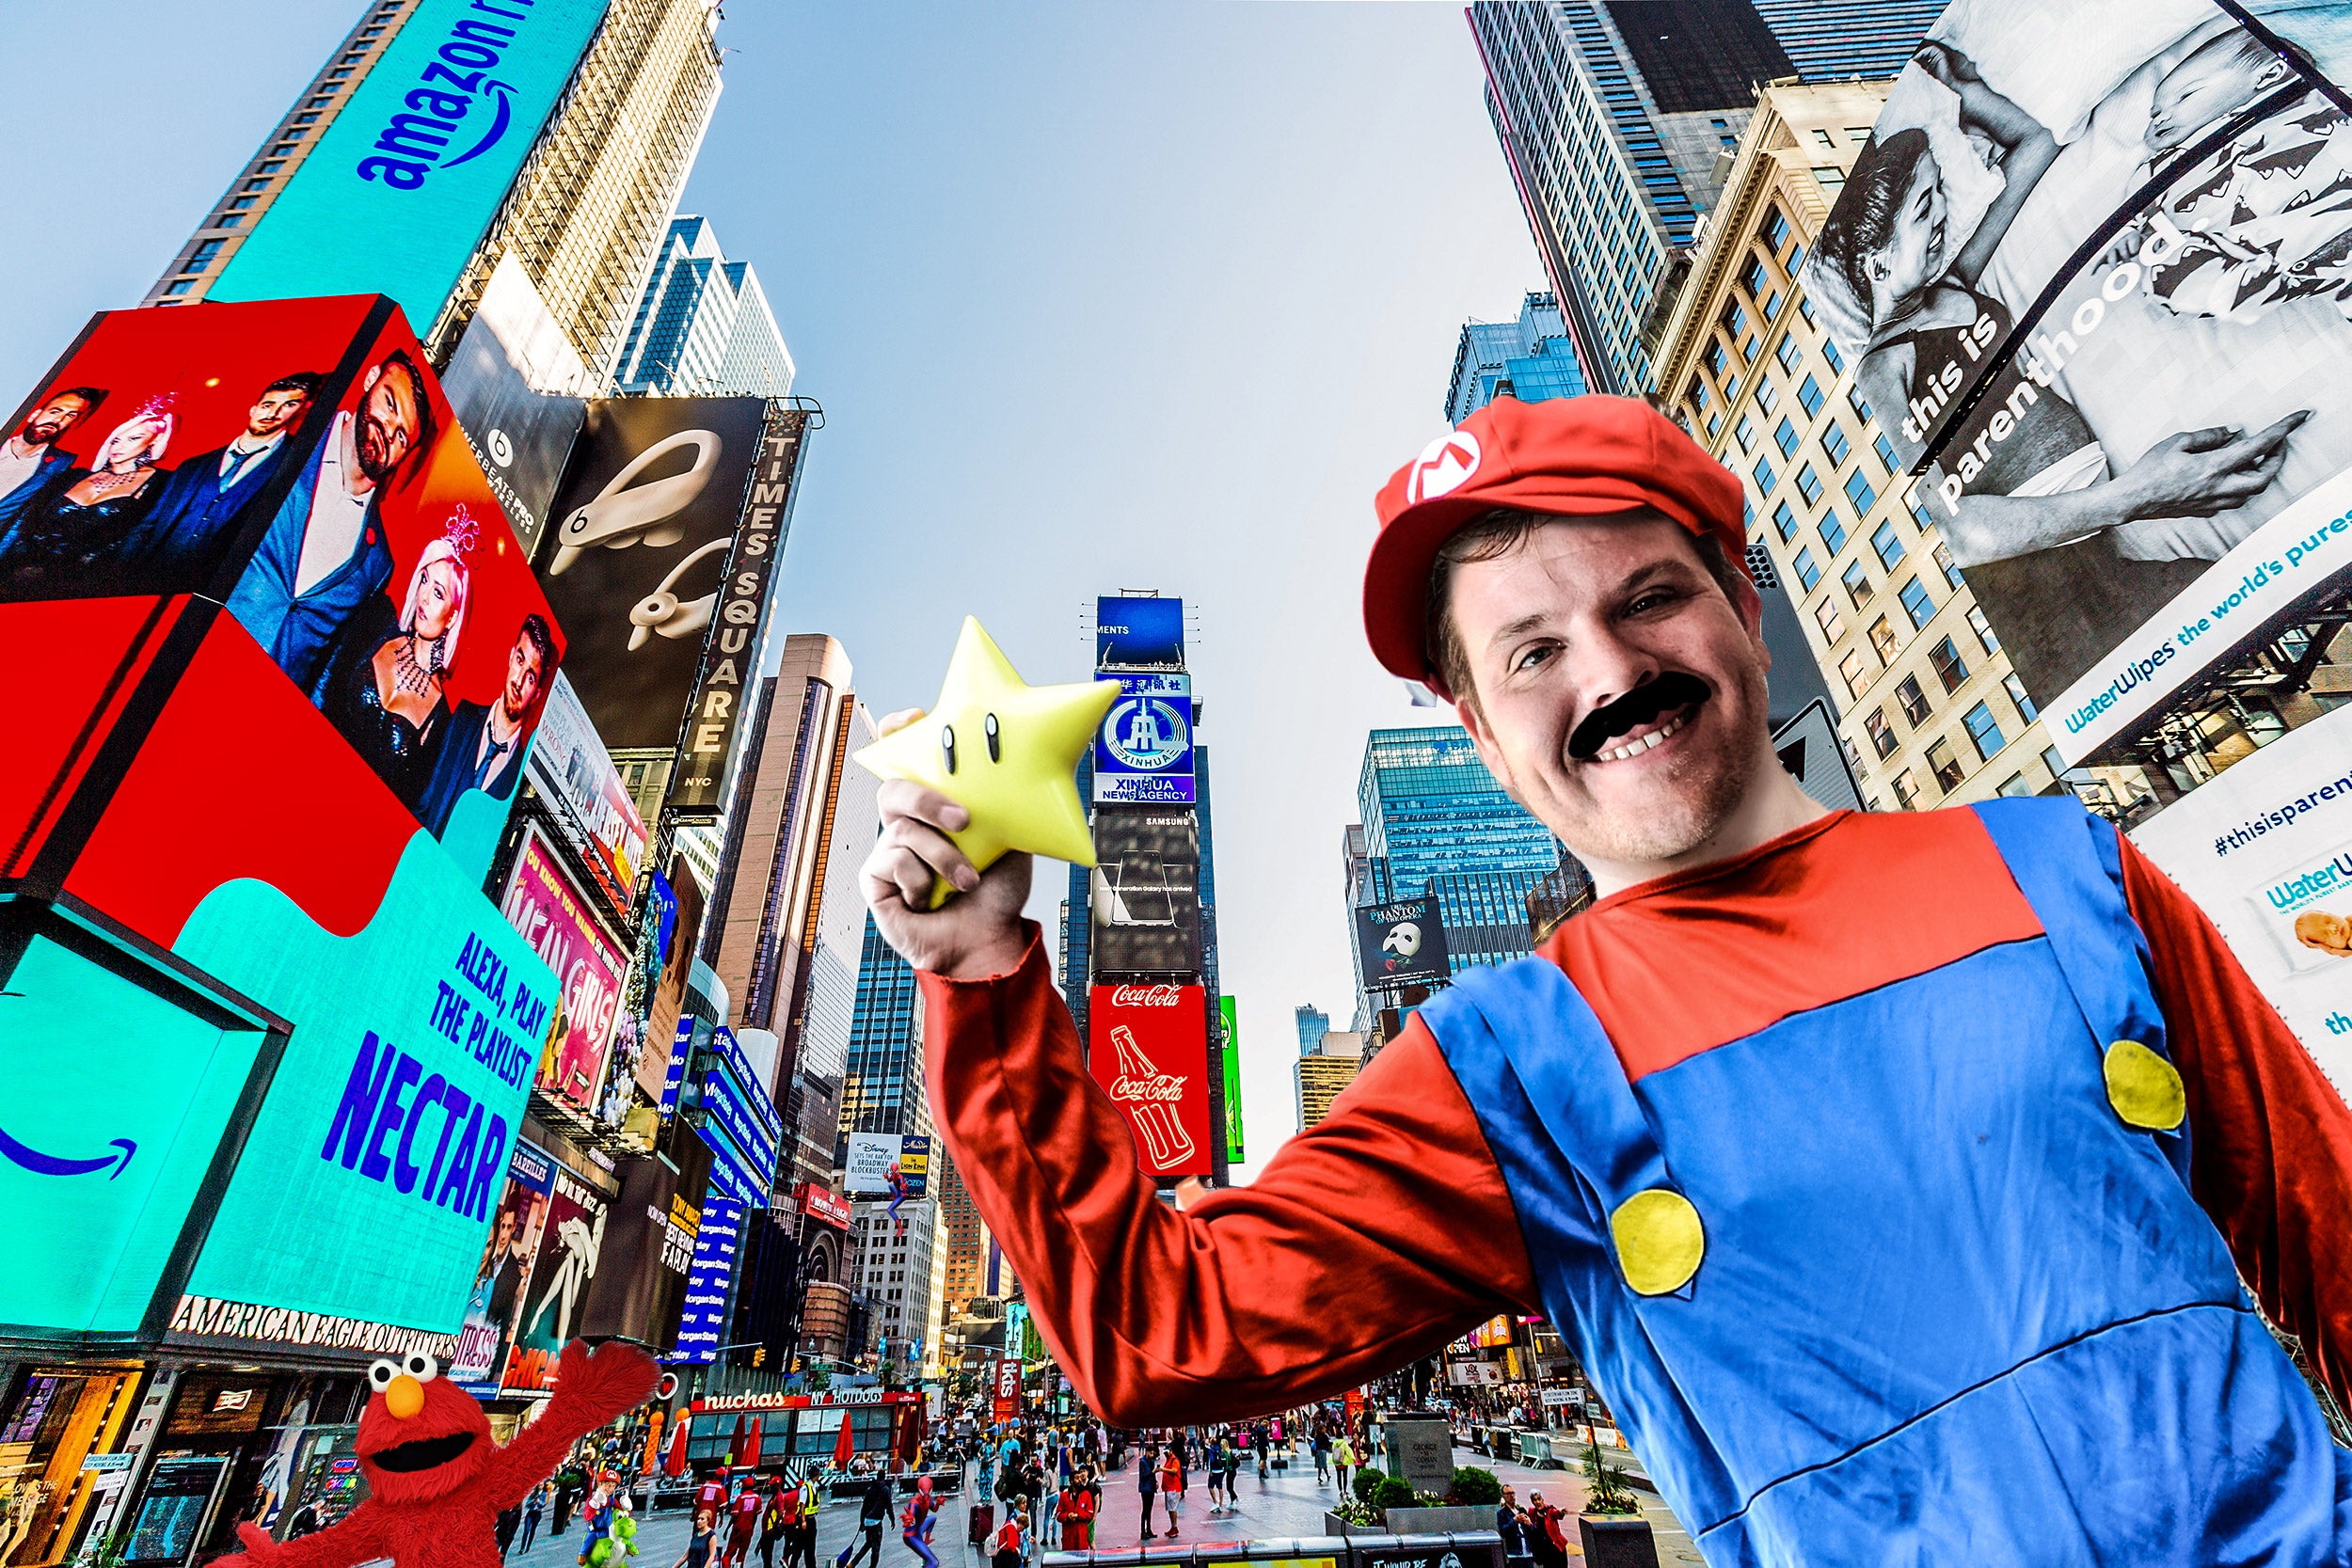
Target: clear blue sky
[1097, 296]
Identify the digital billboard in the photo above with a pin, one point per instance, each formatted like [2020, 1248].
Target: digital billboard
[1146, 892]
[504, 1272]
[398, 192]
[1138, 633]
[648, 1248]
[649, 508]
[1143, 751]
[573, 770]
[1230, 1013]
[114, 1101]
[561, 927]
[1148, 1046]
[1401, 944]
[2091, 267]
[519, 392]
[300, 712]
[703, 1319]
[729, 677]
[873, 1164]
[571, 1244]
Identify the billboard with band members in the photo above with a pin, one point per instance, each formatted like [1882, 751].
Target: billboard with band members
[633, 561]
[396, 196]
[563, 928]
[2094, 266]
[278, 659]
[1148, 1046]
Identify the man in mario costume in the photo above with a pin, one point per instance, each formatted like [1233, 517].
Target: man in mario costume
[1908, 1182]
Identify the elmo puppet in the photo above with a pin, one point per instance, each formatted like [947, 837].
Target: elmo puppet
[436, 1481]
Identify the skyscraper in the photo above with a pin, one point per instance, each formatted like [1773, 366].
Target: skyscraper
[1313, 1024]
[703, 327]
[1530, 358]
[1436, 822]
[882, 1086]
[1618, 120]
[1319, 1075]
[584, 214]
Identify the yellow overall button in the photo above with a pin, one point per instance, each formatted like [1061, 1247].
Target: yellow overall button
[1660, 1240]
[2144, 1088]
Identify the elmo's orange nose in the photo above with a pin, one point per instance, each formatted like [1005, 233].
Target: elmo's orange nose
[405, 1397]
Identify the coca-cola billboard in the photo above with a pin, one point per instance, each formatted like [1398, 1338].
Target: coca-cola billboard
[1149, 1048]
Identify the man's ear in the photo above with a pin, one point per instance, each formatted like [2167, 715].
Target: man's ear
[1748, 602]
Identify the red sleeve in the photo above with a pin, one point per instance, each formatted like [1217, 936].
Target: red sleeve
[1363, 1245]
[2270, 1148]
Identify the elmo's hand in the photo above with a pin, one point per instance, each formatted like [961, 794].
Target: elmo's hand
[595, 1386]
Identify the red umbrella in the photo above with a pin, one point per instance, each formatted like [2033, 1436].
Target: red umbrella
[675, 1464]
[750, 1451]
[841, 1445]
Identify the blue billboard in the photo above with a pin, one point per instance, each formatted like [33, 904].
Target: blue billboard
[1143, 751]
[1138, 634]
[702, 1322]
[405, 183]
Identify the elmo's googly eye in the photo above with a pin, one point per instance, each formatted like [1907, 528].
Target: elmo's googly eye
[423, 1368]
[380, 1375]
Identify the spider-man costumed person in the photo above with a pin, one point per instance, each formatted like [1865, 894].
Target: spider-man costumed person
[437, 1479]
[1893, 1175]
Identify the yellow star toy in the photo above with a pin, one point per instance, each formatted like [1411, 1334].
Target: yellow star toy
[1005, 751]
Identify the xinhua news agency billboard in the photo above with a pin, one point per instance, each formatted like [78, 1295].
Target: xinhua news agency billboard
[2092, 268]
[1148, 1046]
[405, 183]
[1143, 751]
[290, 779]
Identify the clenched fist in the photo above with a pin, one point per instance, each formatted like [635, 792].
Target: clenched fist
[973, 935]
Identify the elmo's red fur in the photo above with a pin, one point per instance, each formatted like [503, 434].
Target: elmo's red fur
[442, 1515]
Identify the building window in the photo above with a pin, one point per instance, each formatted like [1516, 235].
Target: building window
[1804, 309]
[1985, 731]
[1809, 393]
[1796, 260]
[2054, 763]
[1807, 573]
[1754, 278]
[1862, 495]
[1734, 320]
[1907, 790]
[1717, 360]
[1882, 641]
[1790, 353]
[1731, 390]
[1945, 765]
[271, 166]
[1785, 437]
[1827, 142]
[1833, 442]
[1784, 521]
[1949, 668]
[1944, 564]
[1829, 352]
[1765, 478]
[179, 286]
[1833, 624]
[1983, 629]
[1833, 532]
[201, 257]
[1919, 520]
[1744, 433]
[1889, 548]
[1857, 581]
[1775, 229]
[1881, 734]
[1852, 670]
[229, 220]
[257, 184]
[1917, 604]
[1808, 484]
[1769, 305]
[1861, 405]
[1699, 393]
[1913, 701]
[1714, 425]
[1885, 448]
[1767, 397]
[2016, 689]
[1832, 179]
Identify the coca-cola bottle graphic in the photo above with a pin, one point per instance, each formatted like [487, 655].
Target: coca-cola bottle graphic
[1149, 1095]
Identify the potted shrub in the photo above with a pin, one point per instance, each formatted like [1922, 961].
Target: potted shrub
[1613, 1532]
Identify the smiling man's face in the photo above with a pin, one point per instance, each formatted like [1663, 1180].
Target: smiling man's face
[1620, 692]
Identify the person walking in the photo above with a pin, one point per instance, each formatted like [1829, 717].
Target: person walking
[1012, 1538]
[1546, 1538]
[1213, 1458]
[1172, 1486]
[509, 1521]
[800, 1546]
[1148, 1484]
[874, 1510]
[1321, 1442]
[1264, 1444]
[697, 1553]
[533, 1506]
[1077, 1512]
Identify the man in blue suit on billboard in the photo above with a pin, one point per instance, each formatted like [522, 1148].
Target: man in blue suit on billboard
[205, 494]
[325, 554]
[482, 747]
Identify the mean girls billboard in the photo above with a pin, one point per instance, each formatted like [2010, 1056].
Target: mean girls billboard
[2095, 268]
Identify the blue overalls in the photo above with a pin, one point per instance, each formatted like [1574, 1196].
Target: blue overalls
[1913, 1277]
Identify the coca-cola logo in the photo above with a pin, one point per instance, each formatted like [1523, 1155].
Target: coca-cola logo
[1164, 1088]
[1144, 996]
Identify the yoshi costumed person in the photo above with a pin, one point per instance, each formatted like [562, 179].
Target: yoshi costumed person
[1906, 1181]
[437, 1479]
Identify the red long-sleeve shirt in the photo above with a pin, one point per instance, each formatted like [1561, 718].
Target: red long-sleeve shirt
[1383, 1233]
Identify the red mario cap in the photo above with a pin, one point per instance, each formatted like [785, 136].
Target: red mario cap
[1576, 456]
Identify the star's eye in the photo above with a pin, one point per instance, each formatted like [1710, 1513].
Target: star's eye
[423, 1368]
[380, 1374]
[996, 751]
[947, 745]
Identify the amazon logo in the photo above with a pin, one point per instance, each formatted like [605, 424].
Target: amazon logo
[458, 111]
[17, 1152]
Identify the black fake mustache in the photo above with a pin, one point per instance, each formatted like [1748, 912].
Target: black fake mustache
[1637, 708]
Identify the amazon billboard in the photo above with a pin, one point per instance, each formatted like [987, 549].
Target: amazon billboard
[279, 657]
[400, 190]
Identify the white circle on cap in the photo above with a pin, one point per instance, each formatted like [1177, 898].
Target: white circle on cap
[1445, 464]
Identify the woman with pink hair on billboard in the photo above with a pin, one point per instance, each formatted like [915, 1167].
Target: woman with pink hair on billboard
[70, 536]
[389, 694]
